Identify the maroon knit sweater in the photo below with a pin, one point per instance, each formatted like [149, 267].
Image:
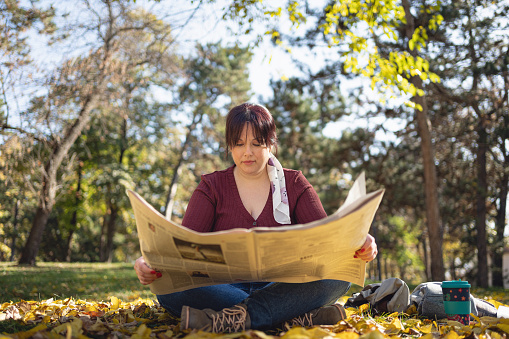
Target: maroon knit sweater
[216, 205]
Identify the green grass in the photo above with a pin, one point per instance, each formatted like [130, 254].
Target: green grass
[86, 281]
[100, 281]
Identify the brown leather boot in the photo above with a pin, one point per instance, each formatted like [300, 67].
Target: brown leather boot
[228, 320]
[326, 315]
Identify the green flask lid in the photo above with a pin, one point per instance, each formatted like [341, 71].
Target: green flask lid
[455, 284]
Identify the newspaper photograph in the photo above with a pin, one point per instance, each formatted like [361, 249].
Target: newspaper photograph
[323, 249]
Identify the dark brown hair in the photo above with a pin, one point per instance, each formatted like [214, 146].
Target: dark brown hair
[260, 120]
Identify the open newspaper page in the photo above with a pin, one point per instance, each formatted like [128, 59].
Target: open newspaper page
[322, 249]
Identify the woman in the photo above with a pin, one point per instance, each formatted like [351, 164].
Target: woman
[255, 191]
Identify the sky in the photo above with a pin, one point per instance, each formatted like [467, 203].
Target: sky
[269, 61]
[207, 26]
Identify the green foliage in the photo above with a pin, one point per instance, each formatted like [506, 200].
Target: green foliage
[402, 247]
[355, 28]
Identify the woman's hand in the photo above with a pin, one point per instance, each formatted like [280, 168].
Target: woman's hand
[368, 251]
[146, 275]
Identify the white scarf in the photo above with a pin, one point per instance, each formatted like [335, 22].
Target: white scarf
[280, 206]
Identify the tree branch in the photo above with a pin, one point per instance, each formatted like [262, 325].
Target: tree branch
[4, 127]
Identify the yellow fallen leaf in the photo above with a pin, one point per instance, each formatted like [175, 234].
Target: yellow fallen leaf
[29, 316]
[478, 330]
[343, 299]
[142, 320]
[396, 323]
[350, 311]
[169, 334]
[48, 301]
[72, 313]
[376, 334]
[130, 316]
[504, 327]
[363, 308]
[75, 327]
[495, 303]
[451, 335]
[346, 335]
[454, 323]
[142, 332]
[426, 328]
[90, 308]
[208, 335]
[303, 333]
[30, 333]
[115, 303]
[476, 318]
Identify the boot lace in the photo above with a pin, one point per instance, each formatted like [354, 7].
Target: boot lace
[305, 320]
[229, 320]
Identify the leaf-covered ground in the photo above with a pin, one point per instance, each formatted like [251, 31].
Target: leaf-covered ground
[60, 300]
[145, 319]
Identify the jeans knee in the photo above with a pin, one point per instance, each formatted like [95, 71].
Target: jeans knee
[164, 301]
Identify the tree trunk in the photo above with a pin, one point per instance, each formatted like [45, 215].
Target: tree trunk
[74, 218]
[14, 233]
[172, 190]
[427, 264]
[435, 232]
[380, 254]
[110, 232]
[102, 239]
[482, 252]
[31, 248]
[108, 229]
[498, 253]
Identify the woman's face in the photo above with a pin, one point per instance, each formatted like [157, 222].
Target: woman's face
[249, 154]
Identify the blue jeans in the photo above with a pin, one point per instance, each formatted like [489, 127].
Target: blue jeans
[268, 304]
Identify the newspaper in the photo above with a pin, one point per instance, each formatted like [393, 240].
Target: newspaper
[323, 249]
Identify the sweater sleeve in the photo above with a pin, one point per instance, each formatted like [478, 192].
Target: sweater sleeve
[200, 212]
[308, 206]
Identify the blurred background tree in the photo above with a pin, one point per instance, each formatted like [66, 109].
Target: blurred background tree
[122, 105]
